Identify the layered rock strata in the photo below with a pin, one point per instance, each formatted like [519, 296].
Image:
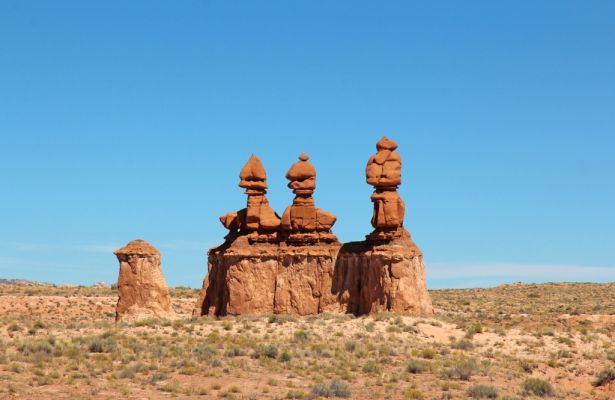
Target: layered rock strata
[142, 289]
[268, 279]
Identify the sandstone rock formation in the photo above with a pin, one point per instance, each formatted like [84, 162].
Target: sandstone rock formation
[305, 270]
[374, 277]
[302, 222]
[383, 171]
[262, 278]
[142, 290]
[257, 220]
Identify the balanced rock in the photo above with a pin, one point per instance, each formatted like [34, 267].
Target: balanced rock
[383, 171]
[303, 222]
[142, 289]
[257, 220]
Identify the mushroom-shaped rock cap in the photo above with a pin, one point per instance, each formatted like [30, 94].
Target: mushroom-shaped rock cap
[301, 170]
[253, 170]
[386, 144]
[138, 246]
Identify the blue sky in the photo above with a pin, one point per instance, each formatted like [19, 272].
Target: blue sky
[123, 120]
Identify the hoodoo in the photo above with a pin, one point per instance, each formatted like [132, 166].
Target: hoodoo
[295, 265]
[142, 289]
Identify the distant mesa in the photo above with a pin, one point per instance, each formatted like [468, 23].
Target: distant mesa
[142, 289]
[296, 265]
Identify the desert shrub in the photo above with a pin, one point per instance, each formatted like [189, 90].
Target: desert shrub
[416, 366]
[156, 377]
[41, 346]
[280, 319]
[233, 352]
[537, 387]
[301, 336]
[527, 365]
[265, 351]
[462, 345]
[413, 394]
[204, 351]
[428, 354]
[350, 346]
[371, 367]
[285, 357]
[102, 344]
[462, 369]
[334, 389]
[296, 394]
[483, 392]
[474, 329]
[610, 355]
[604, 377]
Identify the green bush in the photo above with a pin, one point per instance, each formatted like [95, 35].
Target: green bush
[416, 366]
[483, 392]
[285, 357]
[413, 394]
[301, 336]
[265, 351]
[102, 344]
[463, 344]
[604, 377]
[537, 387]
[371, 367]
[334, 389]
[42, 346]
[462, 369]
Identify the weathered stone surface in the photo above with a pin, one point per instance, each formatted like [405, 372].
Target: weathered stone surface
[257, 220]
[266, 279]
[358, 278]
[372, 278]
[303, 222]
[383, 171]
[304, 269]
[142, 289]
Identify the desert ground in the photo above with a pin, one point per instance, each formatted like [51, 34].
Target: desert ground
[510, 342]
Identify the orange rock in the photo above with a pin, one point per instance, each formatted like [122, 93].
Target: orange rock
[302, 222]
[142, 289]
[383, 171]
[305, 270]
[258, 218]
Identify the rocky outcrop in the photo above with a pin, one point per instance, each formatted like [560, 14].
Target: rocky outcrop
[376, 277]
[142, 289]
[302, 269]
[268, 279]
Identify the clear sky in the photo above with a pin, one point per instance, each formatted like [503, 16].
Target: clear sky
[122, 120]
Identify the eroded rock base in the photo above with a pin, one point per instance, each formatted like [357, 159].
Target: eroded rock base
[358, 278]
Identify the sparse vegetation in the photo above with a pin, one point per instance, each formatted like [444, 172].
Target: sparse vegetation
[537, 387]
[483, 392]
[483, 344]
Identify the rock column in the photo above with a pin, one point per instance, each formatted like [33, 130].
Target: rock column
[142, 289]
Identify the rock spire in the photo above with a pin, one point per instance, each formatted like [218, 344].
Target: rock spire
[258, 220]
[383, 171]
[142, 289]
[303, 222]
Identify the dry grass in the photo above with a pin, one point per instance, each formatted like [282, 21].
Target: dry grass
[62, 342]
